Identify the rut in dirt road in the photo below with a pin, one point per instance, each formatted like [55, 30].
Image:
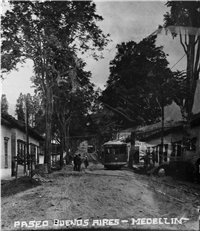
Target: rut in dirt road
[119, 197]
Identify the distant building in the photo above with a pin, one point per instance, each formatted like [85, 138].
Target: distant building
[179, 142]
[56, 152]
[172, 140]
[148, 138]
[13, 144]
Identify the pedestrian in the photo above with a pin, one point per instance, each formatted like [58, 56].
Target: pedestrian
[79, 162]
[153, 158]
[75, 162]
[86, 162]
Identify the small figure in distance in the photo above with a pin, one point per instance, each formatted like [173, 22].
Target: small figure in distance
[75, 162]
[79, 162]
[86, 162]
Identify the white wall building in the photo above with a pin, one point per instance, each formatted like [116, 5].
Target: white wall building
[13, 144]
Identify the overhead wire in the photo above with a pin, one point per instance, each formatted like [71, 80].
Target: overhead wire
[178, 61]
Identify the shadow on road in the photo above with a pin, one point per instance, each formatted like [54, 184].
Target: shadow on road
[10, 187]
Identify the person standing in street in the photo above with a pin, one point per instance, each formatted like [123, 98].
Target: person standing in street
[75, 163]
[79, 162]
[86, 162]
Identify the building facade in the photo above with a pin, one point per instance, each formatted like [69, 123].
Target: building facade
[13, 145]
[170, 136]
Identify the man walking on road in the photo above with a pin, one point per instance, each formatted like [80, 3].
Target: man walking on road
[86, 162]
[79, 162]
[75, 162]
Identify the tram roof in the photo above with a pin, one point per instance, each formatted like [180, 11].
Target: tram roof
[114, 143]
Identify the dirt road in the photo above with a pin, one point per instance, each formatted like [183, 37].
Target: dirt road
[98, 198]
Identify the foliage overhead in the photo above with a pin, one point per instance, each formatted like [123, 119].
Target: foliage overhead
[34, 29]
[4, 104]
[19, 108]
[183, 13]
[72, 107]
[35, 111]
[139, 84]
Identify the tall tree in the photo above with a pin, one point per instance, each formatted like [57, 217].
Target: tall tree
[19, 108]
[139, 83]
[34, 109]
[186, 14]
[72, 107]
[4, 104]
[50, 33]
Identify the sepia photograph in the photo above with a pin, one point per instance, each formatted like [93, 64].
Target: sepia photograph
[100, 115]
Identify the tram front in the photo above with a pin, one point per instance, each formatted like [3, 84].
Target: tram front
[114, 154]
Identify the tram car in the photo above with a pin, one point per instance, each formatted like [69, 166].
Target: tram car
[114, 154]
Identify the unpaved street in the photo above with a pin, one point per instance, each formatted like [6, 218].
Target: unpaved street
[99, 198]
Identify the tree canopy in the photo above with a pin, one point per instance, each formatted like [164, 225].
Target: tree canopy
[4, 104]
[34, 111]
[139, 83]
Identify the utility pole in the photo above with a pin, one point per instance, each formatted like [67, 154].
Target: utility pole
[162, 128]
[132, 151]
[162, 133]
[27, 137]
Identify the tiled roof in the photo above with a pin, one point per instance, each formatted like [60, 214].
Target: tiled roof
[116, 142]
[153, 130]
[147, 132]
[158, 126]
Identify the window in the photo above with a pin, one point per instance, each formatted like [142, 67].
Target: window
[173, 153]
[115, 151]
[6, 151]
[123, 150]
[107, 151]
[176, 150]
[21, 151]
[156, 154]
[38, 155]
[165, 152]
[179, 148]
[33, 152]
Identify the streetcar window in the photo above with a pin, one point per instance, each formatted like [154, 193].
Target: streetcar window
[107, 151]
[115, 151]
[122, 150]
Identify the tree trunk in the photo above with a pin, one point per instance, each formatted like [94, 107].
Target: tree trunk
[67, 141]
[27, 138]
[63, 141]
[162, 134]
[192, 72]
[48, 115]
[62, 150]
[190, 76]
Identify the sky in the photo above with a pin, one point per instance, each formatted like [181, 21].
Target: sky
[124, 21]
